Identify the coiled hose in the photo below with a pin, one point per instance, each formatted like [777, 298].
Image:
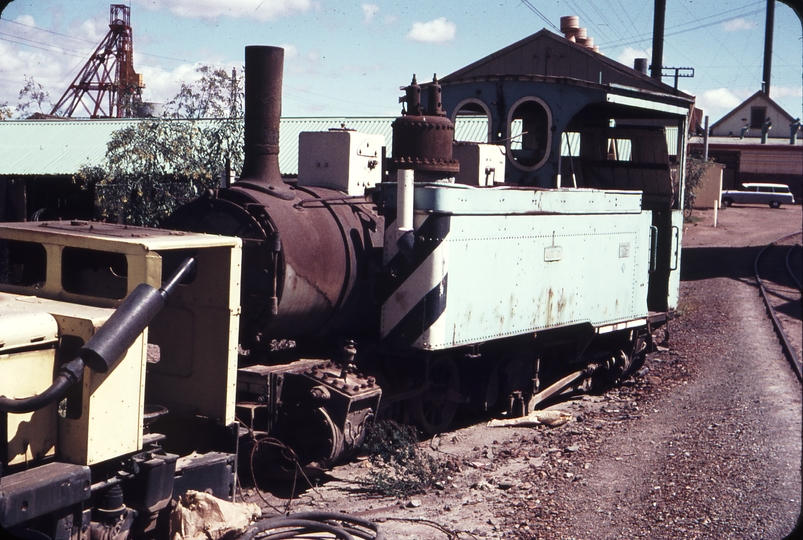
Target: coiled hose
[305, 524]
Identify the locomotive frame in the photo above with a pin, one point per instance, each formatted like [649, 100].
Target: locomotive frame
[409, 285]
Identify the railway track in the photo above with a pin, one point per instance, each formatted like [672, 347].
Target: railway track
[778, 268]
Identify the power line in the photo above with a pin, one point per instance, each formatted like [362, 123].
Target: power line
[48, 48]
[82, 40]
[537, 12]
[591, 22]
[53, 48]
[627, 14]
[46, 30]
[647, 35]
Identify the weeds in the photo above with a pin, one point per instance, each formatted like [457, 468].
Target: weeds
[400, 469]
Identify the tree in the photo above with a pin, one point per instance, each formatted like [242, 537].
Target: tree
[158, 164]
[32, 94]
[216, 94]
[6, 112]
[696, 168]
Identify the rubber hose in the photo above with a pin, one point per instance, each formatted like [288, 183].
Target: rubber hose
[310, 522]
[69, 374]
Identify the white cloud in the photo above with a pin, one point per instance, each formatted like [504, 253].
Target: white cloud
[298, 63]
[27, 20]
[436, 31]
[780, 92]
[719, 101]
[290, 51]
[95, 30]
[261, 10]
[52, 60]
[370, 11]
[738, 24]
[161, 84]
[629, 54]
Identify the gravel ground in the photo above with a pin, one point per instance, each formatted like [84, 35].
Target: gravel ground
[705, 442]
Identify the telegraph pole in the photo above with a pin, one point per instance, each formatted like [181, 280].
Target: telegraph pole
[658, 39]
[765, 84]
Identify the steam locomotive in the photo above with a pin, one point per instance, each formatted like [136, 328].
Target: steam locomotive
[135, 362]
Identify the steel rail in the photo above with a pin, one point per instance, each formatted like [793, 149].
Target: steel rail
[788, 350]
[789, 267]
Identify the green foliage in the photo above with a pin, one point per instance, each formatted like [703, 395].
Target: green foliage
[399, 468]
[6, 112]
[696, 168]
[159, 164]
[216, 94]
[32, 96]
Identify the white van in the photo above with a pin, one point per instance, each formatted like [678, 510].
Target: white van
[772, 194]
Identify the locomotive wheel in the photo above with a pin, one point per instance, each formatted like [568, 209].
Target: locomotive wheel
[389, 409]
[434, 409]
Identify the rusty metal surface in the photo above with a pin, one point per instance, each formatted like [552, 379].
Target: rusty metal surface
[263, 104]
[422, 139]
[332, 401]
[303, 247]
[335, 399]
[311, 254]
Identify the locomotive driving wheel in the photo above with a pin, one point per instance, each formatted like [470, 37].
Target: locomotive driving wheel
[434, 409]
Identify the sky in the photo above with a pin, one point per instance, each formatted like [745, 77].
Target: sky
[350, 58]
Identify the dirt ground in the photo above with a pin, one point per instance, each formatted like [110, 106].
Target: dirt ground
[704, 442]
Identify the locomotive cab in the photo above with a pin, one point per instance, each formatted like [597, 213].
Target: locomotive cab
[125, 429]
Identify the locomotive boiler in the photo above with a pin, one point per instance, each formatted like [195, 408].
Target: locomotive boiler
[407, 283]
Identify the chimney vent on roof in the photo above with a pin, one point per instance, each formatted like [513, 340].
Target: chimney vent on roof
[640, 64]
[570, 26]
[568, 22]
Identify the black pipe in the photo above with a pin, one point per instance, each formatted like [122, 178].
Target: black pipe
[659, 18]
[104, 351]
[768, 33]
[263, 111]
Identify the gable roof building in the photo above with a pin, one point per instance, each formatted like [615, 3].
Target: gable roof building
[752, 114]
[545, 54]
[547, 90]
[736, 142]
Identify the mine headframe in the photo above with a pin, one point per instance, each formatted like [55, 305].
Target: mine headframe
[107, 86]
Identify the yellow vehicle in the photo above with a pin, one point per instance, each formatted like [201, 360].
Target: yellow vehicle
[117, 379]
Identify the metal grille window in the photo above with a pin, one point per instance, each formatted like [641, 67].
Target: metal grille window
[529, 125]
[620, 150]
[472, 122]
[570, 144]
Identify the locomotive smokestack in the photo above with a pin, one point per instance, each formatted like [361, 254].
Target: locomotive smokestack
[263, 111]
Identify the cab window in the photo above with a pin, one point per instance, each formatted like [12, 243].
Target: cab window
[94, 273]
[22, 263]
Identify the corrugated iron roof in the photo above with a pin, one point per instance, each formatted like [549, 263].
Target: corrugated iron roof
[61, 147]
[54, 147]
[471, 129]
[290, 128]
